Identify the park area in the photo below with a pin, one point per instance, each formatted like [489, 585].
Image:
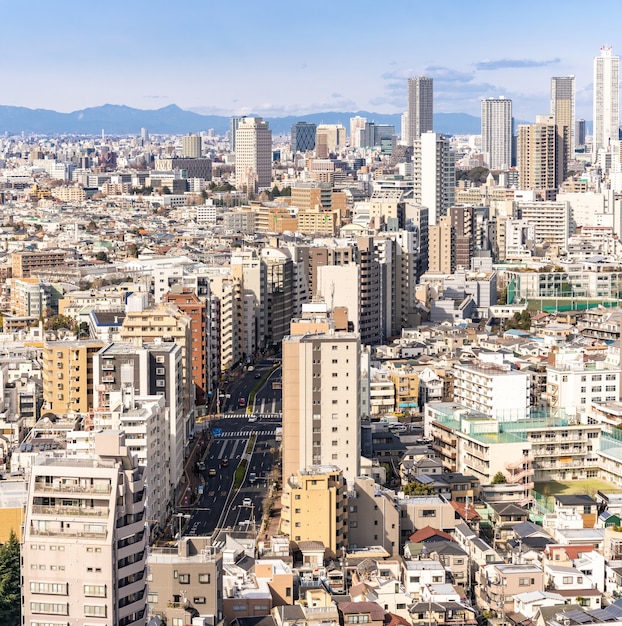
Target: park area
[588, 486]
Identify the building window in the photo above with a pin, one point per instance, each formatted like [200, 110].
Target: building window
[567, 580]
[427, 513]
[184, 579]
[199, 600]
[204, 579]
[52, 608]
[160, 383]
[152, 598]
[95, 590]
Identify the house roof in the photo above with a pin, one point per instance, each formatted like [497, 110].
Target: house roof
[374, 609]
[529, 529]
[507, 508]
[429, 534]
[577, 499]
[461, 509]
[573, 552]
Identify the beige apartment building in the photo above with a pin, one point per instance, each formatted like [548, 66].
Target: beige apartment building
[68, 375]
[25, 263]
[185, 578]
[321, 398]
[314, 508]
[85, 540]
[442, 246]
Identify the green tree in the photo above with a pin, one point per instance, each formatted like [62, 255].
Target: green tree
[101, 256]
[418, 489]
[166, 190]
[499, 479]
[10, 594]
[133, 250]
[60, 321]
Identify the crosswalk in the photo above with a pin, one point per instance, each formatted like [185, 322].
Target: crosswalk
[244, 433]
[244, 414]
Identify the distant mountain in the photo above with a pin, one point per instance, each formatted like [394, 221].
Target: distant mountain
[122, 120]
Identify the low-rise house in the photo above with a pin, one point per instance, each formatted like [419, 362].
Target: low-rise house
[504, 517]
[480, 552]
[528, 604]
[500, 582]
[369, 613]
[454, 559]
[559, 577]
[418, 574]
[442, 614]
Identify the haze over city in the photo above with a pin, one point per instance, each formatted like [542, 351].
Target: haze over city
[279, 58]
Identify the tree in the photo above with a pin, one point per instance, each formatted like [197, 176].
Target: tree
[499, 479]
[133, 250]
[418, 489]
[166, 190]
[101, 256]
[60, 321]
[10, 594]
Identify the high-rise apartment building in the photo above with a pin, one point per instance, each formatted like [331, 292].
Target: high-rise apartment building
[434, 174]
[357, 123]
[234, 122]
[563, 112]
[442, 242]
[606, 98]
[463, 219]
[330, 138]
[540, 156]
[253, 153]
[321, 396]
[580, 133]
[303, 137]
[191, 146]
[68, 375]
[497, 133]
[420, 107]
[85, 538]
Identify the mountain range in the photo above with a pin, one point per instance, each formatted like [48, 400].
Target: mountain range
[123, 120]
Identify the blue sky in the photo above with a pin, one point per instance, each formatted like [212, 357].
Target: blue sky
[285, 57]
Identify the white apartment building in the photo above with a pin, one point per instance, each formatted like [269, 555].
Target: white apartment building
[85, 539]
[606, 98]
[550, 219]
[574, 384]
[434, 175]
[497, 133]
[493, 388]
[321, 397]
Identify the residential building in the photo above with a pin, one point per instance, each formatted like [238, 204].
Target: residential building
[315, 508]
[550, 220]
[442, 246]
[497, 135]
[321, 404]
[420, 108]
[606, 99]
[191, 146]
[25, 264]
[85, 540]
[563, 111]
[68, 375]
[434, 174]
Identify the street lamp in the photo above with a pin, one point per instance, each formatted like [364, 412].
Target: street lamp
[181, 516]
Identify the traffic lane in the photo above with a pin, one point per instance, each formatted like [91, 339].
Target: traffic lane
[242, 387]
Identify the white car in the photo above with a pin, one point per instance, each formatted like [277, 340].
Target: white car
[247, 502]
[252, 418]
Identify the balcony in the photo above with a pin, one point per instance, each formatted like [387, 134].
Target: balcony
[71, 488]
[70, 511]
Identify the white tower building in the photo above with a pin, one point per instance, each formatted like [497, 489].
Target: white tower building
[497, 133]
[606, 98]
[253, 153]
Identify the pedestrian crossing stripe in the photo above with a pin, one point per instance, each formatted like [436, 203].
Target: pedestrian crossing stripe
[245, 433]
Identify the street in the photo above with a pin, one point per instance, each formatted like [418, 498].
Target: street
[221, 506]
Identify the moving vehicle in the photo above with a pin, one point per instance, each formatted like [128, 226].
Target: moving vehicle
[201, 466]
[252, 477]
[242, 402]
[212, 472]
[247, 502]
[224, 462]
[252, 418]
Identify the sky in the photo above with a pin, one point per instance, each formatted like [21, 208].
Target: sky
[289, 57]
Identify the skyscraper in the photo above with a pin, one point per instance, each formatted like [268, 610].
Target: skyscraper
[497, 133]
[563, 111]
[234, 122]
[303, 137]
[606, 98]
[540, 156]
[420, 107]
[434, 174]
[253, 153]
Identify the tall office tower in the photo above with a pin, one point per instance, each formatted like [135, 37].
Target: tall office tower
[356, 123]
[191, 146]
[85, 538]
[442, 257]
[303, 137]
[497, 133]
[606, 99]
[420, 107]
[563, 111]
[330, 138]
[434, 174]
[234, 122]
[579, 133]
[253, 153]
[463, 220]
[321, 396]
[541, 156]
[404, 129]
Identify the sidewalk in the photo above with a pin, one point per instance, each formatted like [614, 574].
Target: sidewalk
[192, 478]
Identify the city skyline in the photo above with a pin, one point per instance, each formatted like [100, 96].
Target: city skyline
[236, 63]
